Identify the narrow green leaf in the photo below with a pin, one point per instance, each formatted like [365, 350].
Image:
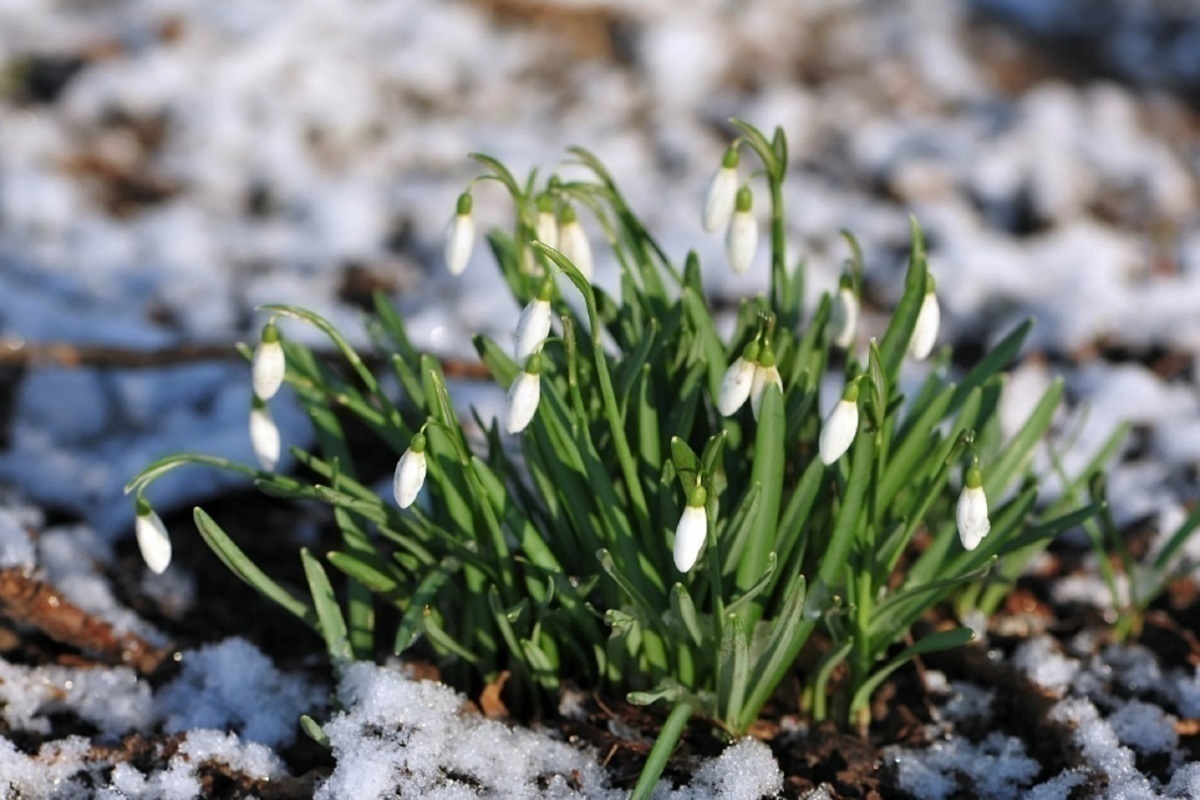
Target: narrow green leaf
[329, 613]
[239, 564]
[942, 640]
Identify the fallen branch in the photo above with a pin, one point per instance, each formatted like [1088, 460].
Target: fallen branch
[24, 599]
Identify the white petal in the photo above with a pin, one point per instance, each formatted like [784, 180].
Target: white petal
[153, 541]
[267, 369]
[523, 397]
[264, 438]
[532, 329]
[689, 536]
[972, 517]
[929, 318]
[837, 434]
[409, 478]
[843, 318]
[721, 199]
[741, 241]
[573, 243]
[546, 229]
[735, 386]
[763, 377]
[460, 240]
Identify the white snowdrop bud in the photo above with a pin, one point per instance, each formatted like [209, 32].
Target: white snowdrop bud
[264, 436]
[837, 434]
[843, 316]
[971, 513]
[410, 472]
[523, 396]
[546, 227]
[692, 530]
[765, 375]
[929, 318]
[738, 381]
[152, 538]
[534, 324]
[460, 238]
[573, 242]
[268, 367]
[722, 193]
[741, 240]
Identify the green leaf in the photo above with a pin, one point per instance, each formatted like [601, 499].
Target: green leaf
[333, 624]
[942, 640]
[239, 564]
[414, 615]
[314, 731]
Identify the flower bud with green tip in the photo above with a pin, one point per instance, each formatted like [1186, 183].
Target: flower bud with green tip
[929, 319]
[766, 374]
[971, 514]
[545, 229]
[692, 530]
[738, 381]
[741, 240]
[843, 316]
[410, 472]
[534, 324]
[524, 395]
[264, 435]
[722, 193]
[268, 367]
[573, 242]
[841, 426]
[460, 237]
[152, 538]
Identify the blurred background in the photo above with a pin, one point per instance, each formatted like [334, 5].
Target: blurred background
[168, 165]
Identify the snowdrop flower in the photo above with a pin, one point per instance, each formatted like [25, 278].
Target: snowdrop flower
[545, 230]
[837, 434]
[741, 240]
[972, 511]
[152, 538]
[722, 193]
[268, 366]
[534, 324]
[264, 436]
[410, 472]
[460, 238]
[738, 381]
[929, 318]
[691, 531]
[765, 375]
[573, 242]
[523, 396]
[843, 317]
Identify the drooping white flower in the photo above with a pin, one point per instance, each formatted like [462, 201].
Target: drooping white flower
[765, 374]
[840, 427]
[410, 472]
[843, 316]
[738, 381]
[264, 435]
[534, 324]
[460, 237]
[152, 538]
[741, 239]
[268, 367]
[545, 229]
[692, 530]
[971, 514]
[523, 396]
[573, 242]
[722, 193]
[929, 318]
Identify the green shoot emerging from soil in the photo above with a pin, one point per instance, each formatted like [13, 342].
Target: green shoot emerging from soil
[662, 512]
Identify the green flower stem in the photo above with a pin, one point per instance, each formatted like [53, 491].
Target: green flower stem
[779, 302]
[664, 745]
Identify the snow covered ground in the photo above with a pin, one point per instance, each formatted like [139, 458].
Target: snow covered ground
[167, 166]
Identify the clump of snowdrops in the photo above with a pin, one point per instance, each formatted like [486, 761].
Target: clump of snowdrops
[663, 511]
